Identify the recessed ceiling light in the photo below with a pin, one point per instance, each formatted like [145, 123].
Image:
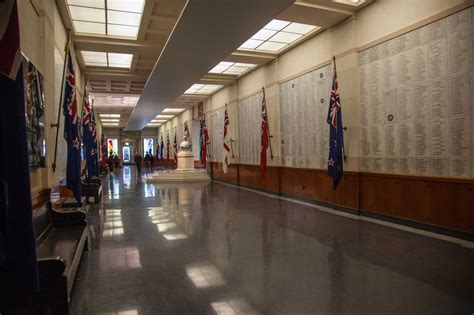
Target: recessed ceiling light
[164, 116]
[109, 120]
[205, 89]
[109, 115]
[173, 110]
[277, 35]
[158, 121]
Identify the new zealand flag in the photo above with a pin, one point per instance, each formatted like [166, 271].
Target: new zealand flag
[162, 148]
[336, 137]
[89, 138]
[73, 174]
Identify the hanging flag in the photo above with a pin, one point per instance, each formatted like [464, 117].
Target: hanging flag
[186, 133]
[168, 145]
[175, 147]
[71, 125]
[18, 264]
[10, 55]
[103, 149]
[203, 140]
[336, 137]
[265, 137]
[162, 148]
[89, 138]
[95, 143]
[226, 143]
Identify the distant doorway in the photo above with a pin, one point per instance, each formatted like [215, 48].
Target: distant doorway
[126, 154]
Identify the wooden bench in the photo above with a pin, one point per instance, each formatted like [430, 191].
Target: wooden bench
[60, 240]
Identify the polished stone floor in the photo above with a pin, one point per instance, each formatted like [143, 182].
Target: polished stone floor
[215, 249]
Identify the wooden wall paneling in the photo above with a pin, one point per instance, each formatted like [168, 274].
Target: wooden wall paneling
[462, 210]
[437, 201]
[230, 177]
[347, 192]
[249, 175]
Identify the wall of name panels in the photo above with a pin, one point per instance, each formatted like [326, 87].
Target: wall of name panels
[250, 128]
[304, 105]
[216, 135]
[416, 101]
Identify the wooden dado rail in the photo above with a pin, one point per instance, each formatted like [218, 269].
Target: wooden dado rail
[426, 202]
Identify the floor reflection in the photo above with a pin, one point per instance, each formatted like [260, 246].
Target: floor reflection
[149, 190]
[204, 275]
[113, 188]
[213, 249]
[127, 177]
[233, 306]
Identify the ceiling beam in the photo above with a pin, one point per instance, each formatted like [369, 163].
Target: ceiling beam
[323, 7]
[111, 75]
[255, 57]
[191, 50]
[141, 47]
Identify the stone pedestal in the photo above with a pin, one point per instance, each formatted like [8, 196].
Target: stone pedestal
[185, 161]
[184, 173]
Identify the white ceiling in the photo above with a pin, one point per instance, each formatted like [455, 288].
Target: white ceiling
[206, 33]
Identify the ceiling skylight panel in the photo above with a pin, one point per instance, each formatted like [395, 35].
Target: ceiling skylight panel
[89, 27]
[120, 60]
[202, 88]
[221, 67]
[251, 44]
[283, 34]
[271, 46]
[122, 30]
[207, 89]
[276, 25]
[95, 58]
[299, 28]
[164, 116]
[130, 6]
[194, 88]
[173, 110]
[285, 37]
[123, 18]
[235, 70]
[264, 34]
[87, 14]
[88, 3]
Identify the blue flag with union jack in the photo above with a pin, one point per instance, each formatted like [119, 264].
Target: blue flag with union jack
[336, 137]
[71, 126]
[90, 138]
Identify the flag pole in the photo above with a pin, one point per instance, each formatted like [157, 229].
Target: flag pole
[268, 124]
[66, 50]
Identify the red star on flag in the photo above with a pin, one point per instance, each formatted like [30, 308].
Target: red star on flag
[76, 143]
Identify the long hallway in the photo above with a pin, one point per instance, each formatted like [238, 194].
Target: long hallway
[216, 249]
